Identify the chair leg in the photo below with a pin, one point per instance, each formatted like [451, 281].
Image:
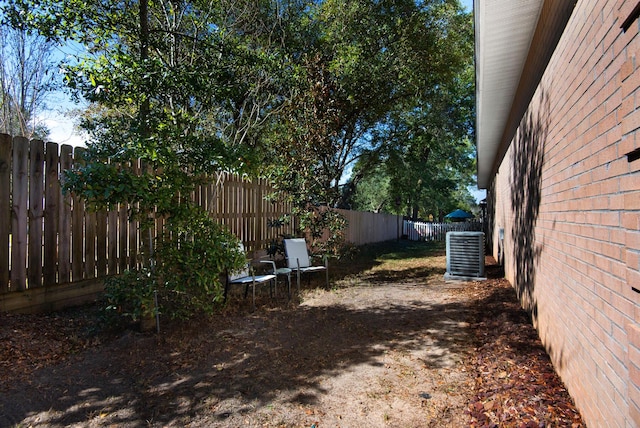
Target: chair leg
[275, 287]
[298, 273]
[326, 270]
[253, 286]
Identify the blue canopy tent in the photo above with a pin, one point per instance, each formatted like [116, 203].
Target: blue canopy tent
[458, 215]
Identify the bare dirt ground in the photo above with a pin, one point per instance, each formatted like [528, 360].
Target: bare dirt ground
[391, 344]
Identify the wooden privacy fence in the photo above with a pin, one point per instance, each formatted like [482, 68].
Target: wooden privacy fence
[48, 239]
[427, 231]
[55, 253]
[367, 227]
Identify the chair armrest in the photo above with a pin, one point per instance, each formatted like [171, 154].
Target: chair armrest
[272, 263]
[324, 257]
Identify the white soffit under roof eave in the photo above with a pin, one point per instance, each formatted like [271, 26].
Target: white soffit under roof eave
[511, 59]
[504, 30]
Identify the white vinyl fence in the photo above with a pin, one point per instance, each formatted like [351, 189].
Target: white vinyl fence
[427, 231]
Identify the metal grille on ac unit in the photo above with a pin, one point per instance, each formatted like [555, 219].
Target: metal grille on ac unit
[465, 255]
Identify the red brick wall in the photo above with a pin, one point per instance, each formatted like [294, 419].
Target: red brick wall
[568, 200]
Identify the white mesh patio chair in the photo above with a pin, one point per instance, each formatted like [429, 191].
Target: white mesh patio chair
[298, 259]
[248, 278]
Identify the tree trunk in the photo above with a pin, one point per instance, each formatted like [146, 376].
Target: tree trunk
[144, 55]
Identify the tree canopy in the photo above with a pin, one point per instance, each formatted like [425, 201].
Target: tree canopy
[367, 64]
[427, 153]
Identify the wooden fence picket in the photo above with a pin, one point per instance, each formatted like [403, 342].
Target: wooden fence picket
[65, 221]
[123, 241]
[77, 229]
[36, 213]
[90, 228]
[52, 195]
[5, 209]
[20, 186]
[133, 233]
[101, 243]
[112, 242]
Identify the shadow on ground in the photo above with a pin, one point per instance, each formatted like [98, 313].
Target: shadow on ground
[281, 352]
[256, 359]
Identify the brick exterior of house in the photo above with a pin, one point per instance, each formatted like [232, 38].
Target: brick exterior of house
[566, 198]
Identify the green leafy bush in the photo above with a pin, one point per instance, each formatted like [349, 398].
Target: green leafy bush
[191, 260]
[186, 274]
[129, 296]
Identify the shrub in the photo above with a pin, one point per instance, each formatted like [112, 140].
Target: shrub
[186, 273]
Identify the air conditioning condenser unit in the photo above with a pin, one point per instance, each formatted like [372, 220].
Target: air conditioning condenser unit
[465, 255]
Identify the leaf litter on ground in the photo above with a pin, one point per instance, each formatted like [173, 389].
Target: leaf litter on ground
[512, 380]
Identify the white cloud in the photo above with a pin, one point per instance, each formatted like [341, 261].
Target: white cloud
[61, 130]
[58, 118]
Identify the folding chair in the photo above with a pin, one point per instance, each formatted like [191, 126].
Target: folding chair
[298, 259]
[248, 278]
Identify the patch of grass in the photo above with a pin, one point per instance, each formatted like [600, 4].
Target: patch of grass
[402, 250]
[384, 261]
[373, 254]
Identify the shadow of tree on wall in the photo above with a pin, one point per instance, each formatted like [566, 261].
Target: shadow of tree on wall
[526, 178]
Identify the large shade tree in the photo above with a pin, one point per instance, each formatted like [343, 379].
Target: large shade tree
[360, 66]
[425, 146]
